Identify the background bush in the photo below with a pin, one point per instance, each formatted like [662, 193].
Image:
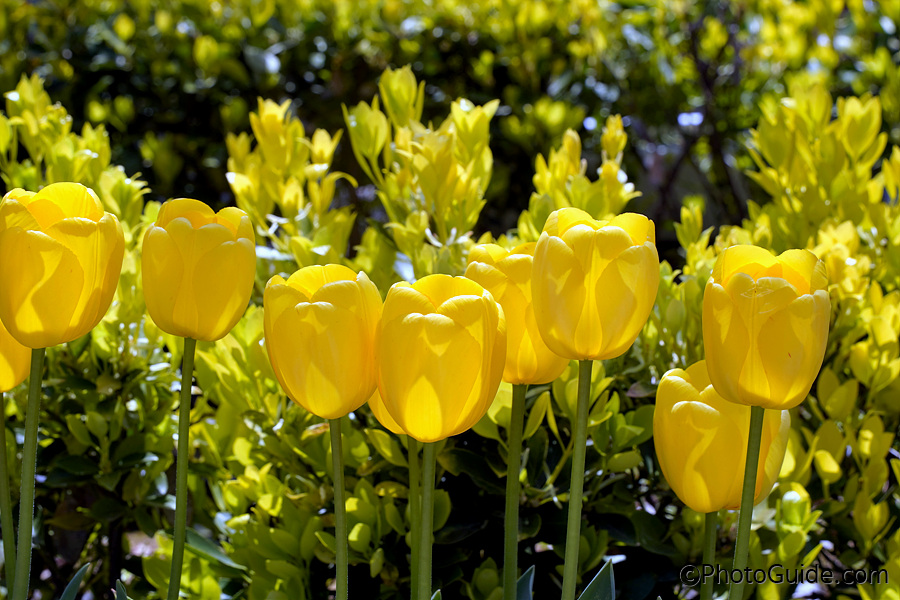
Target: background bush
[171, 90]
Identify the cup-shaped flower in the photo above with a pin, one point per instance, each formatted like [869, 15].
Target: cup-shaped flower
[594, 282]
[198, 268]
[14, 362]
[765, 325]
[701, 442]
[441, 348]
[506, 274]
[320, 334]
[62, 255]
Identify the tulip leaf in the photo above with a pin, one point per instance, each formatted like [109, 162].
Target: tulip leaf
[602, 586]
[525, 585]
[437, 595]
[72, 588]
[121, 594]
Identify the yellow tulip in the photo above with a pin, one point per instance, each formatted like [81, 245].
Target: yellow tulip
[441, 348]
[765, 325]
[701, 442]
[506, 274]
[198, 268]
[594, 282]
[320, 335]
[62, 255]
[14, 361]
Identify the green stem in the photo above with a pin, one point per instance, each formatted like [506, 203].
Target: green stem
[340, 517]
[709, 552]
[576, 488]
[426, 525]
[181, 467]
[414, 514]
[9, 533]
[513, 462]
[742, 545]
[29, 463]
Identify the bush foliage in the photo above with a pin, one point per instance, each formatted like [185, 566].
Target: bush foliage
[396, 185]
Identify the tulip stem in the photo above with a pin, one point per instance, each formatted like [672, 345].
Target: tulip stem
[181, 467]
[709, 552]
[29, 463]
[742, 545]
[576, 488]
[340, 518]
[513, 463]
[9, 533]
[414, 514]
[426, 524]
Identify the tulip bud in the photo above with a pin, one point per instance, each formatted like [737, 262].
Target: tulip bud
[441, 348]
[507, 276]
[765, 325]
[62, 255]
[701, 442]
[320, 334]
[198, 268]
[594, 282]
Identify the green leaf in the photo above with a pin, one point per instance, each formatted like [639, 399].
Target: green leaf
[602, 586]
[120, 591]
[525, 585]
[437, 595]
[204, 548]
[457, 460]
[72, 588]
[387, 446]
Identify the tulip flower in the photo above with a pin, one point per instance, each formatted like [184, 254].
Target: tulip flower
[594, 285]
[320, 327]
[765, 325]
[197, 268]
[441, 348]
[701, 442]
[320, 335]
[507, 275]
[594, 282]
[14, 361]
[62, 255]
[765, 328]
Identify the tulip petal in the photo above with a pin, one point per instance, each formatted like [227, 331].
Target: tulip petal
[162, 271]
[417, 385]
[195, 212]
[222, 284]
[319, 346]
[558, 294]
[15, 360]
[626, 293]
[35, 274]
[100, 248]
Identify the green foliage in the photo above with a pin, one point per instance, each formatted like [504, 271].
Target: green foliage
[261, 496]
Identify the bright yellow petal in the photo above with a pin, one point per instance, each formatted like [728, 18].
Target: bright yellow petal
[195, 212]
[162, 271]
[42, 282]
[559, 294]
[15, 360]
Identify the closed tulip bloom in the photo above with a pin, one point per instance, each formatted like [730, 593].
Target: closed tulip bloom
[62, 254]
[320, 335]
[701, 442]
[14, 361]
[594, 282]
[765, 325]
[198, 268]
[441, 348]
[506, 274]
